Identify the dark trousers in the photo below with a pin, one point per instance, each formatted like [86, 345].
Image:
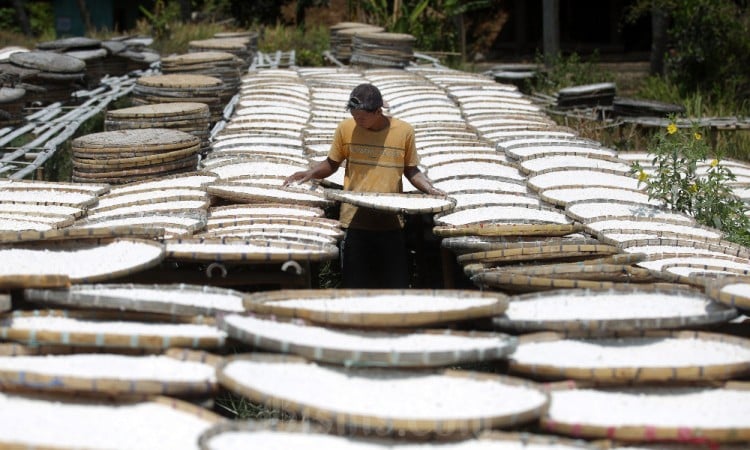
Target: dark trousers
[374, 260]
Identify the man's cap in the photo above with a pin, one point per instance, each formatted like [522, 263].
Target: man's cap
[365, 96]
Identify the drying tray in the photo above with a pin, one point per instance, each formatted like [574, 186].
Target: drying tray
[502, 214]
[633, 357]
[256, 165]
[584, 270]
[734, 291]
[508, 281]
[175, 208]
[69, 422]
[261, 193]
[264, 209]
[378, 307]
[518, 229]
[660, 246]
[538, 163]
[619, 236]
[160, 111]
[561, 196]
[460, 183]
[305, 436]
[173, 373]
[614, 310]
[63, 212]
[538, 250]
[318, 225]
[99, 329]
[107, 202]
[648, 414]
[399, 203]
[196, 180]
[698, 275]
[352, 347]
[239, 250]
[591, 210]
[110, 259]
[133, 142]
[169, 299]
[475, 243]
[138, 232]
[409, 401]
[47, 196]
[552, 178]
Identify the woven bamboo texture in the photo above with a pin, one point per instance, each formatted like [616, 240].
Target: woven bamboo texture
[490, 229]
[400, 203]
[239, 250]
[416, 308]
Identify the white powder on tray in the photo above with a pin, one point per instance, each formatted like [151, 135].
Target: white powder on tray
[269, 191]
[150, 208]
[385, 393]
[479, 183]
[551, 162]
[503, 214]
[572, 194]
[204, 300]
[658, 264]
[384, 304]
[44, 195]
[265, 168]
[273, 248]
[194, 181]
[475, 167]
[635, 352]
[117, 328]
[148, 425]
[280, 440]
[667, 249]
[111, 366]
[78, 263]
[625, 224]
[144, 220]
[360, 341]
[107, 201]
[400, 201]
[34, 208]
[20, 225]
[482, 198]
[667, 407]
[582, 177]
[239, 212]
[738, 289]
[597, 208]
[607, 306]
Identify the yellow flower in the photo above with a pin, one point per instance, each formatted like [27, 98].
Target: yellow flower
[698, 136]
[714, 163]
[642, 176]
[672, 128]
[693, 187]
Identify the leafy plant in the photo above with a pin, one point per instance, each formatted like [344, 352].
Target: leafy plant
[565, 71]
[162, 17]
[677, 182]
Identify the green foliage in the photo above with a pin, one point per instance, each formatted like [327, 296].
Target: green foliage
[308, 43]
[41, 19]
[681, 186]
[162, 17]
[568, 71]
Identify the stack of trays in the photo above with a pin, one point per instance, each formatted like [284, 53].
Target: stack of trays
[222, 65]
[85, 49]
[341, 41]
[190, 117]
[181, 88]
[586, 95]
[12, 102]
[53, 76]
[622, 106]
[237, 46]
[132, 52]
[131, 155]
[382, 49]
[250, 36]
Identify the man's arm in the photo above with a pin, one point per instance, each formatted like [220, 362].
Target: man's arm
[323, 169]
[420, 181]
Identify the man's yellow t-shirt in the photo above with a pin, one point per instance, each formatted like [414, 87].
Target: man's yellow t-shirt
[375, 163]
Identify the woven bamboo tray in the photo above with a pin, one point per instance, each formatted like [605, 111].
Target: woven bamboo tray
[523, 283]
[525, 151]
[98, 329]
[170, 299]
[110, 201]
[473, 198]
[734, 291]
[316, 225]
[239, 250]
[536, 164]
[81, 234]
[109, 374]
[265, 210]
[534, 251]
[142, 141]
[474, 243]
[633, 357]
[49, 196]
[168, 221]
[688, 415]
[194, 180]
[698, 275]
[684, 247]
[81, 262]
[511, 229]
[502, 214]
[460, 183]
[349, 347]
[306, 435]
[658, 263]
[402, 203]
[589, 210]
[640, 307]
[379, 307]
[405, 399]
[562, 196]
[63, 212]
[175, 208]
[556, 178]
[66, 422]
[259, 193]
[474, 167]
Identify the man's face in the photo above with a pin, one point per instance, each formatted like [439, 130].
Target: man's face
[365, 119]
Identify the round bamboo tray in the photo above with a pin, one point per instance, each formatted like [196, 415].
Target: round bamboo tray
[349, 347]
[689, 414]
[511, 229]
[473, 198]
[556, 178]
[88, 329]
[264, 210]
[562, 196]
[67, 422]
[657, 263]
[74, 233]
[239, 250]
[379, 307]
[264, 166]
[149, 196]
[399, 203]
[538, 250]
[522, 283]
[259, 193]
[502, 214]
[698, 275]
[49, 196]
[167, 221]
[175, 208]
[169, 299]
[63, 212]
[653, 247]
[160, 111]
[80, 262]
[474, 243]
[316, 225]
[149, 140]
[524, 151]
[633, 357]
[536, 164]
[195, 180]
[461, 183]
[305, 435]
[474, 167]
[590, 210]
[108, 374]
[406, 401]
[733, 291]
[620, 309]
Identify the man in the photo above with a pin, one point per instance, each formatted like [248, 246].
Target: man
[379, 150]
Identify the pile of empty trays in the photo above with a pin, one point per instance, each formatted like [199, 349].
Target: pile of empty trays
[597, 94]
[46, 76]
[382, 49]
[238, 46]
[342, 35]
[180, 87]
[222, 65]
[130, 155]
